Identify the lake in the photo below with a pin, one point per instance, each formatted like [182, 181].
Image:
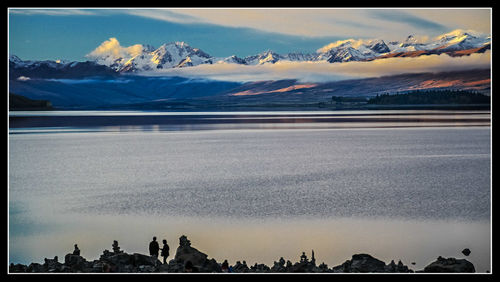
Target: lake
[254, 186]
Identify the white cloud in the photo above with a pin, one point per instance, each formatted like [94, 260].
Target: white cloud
[51, 12]
[327, 22]
[112, 50]
[23, 78]
[324, 71]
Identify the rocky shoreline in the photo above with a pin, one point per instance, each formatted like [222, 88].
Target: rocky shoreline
[189, 259]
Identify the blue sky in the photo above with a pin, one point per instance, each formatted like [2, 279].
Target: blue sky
[70, 34]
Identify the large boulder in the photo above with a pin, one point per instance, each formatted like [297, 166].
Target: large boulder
[140, 259]
[361, 263]
[186, 253]
[35, 267]
[450, 265]
[241, 267]
[52, 265]
[397, 268]
[119, 259]
[75, 262]
[16, 268]
[210, 266]
[259, 268]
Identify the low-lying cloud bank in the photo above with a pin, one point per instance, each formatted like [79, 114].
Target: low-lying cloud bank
[324, 71]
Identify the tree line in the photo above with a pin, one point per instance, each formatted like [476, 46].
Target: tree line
[431, 97]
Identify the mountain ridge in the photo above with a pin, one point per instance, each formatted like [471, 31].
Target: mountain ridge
[181, 54]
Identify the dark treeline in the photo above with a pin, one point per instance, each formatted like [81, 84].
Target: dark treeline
[21, 103]
[431, 97]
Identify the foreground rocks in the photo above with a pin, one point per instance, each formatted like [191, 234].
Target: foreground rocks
[450, 265]
[189, 259]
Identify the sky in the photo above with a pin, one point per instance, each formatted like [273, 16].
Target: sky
[71, 34]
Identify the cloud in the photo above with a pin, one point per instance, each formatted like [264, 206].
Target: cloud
[51, 12]
[23, 78]
[85, 81]
[323, 71]
[112, 50]
[354, 43]
[328, 22]
[406, 18]
[164, 15]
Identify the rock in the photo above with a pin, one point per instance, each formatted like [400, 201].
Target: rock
[466, 252]
[241, 267]
[97, 266]
[401, 268]
[140, 259]
[174, 267]
[259, 268]
[116, 248]
[186, 253]
[147, 268]
[119, 259]
[323, 267]
[210, 266]
[364, 263]
[105, 254]
[52, 265]
[75, 262]
[450, 265]
[35, 267]
[17, 268]
[279, 266]
[164, 268]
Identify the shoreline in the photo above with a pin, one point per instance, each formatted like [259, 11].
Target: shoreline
[188, 259]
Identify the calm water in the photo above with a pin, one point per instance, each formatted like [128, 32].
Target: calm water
[255, 191]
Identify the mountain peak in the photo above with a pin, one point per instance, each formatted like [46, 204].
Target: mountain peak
[15, 59]
[179, 54]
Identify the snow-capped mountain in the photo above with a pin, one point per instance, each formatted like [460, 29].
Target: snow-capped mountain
[263, 58]
[461, 40]
[171, 55]
[144, 58]
[352, 50]
[55, 69]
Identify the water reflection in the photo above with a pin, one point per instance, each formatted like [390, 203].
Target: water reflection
[95, 121]
[93, 188]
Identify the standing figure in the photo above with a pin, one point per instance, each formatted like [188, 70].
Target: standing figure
[165, 251]
[153, 249]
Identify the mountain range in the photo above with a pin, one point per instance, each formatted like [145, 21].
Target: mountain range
[180, 54]
[121, 80]
[147, 59]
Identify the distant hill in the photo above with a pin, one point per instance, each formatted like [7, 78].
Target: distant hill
[129, 91]
[21, 103]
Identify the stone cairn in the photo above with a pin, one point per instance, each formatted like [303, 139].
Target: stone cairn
[118, 261]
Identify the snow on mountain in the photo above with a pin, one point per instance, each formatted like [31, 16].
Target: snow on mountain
[147, 58]
[231, 60]
[264, 58]
[55, 69]
[462, 40]
[138, 58]
[300, 57]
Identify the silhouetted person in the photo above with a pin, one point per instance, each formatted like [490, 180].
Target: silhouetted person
[154, 248]
[165, 251]
[76, 251]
